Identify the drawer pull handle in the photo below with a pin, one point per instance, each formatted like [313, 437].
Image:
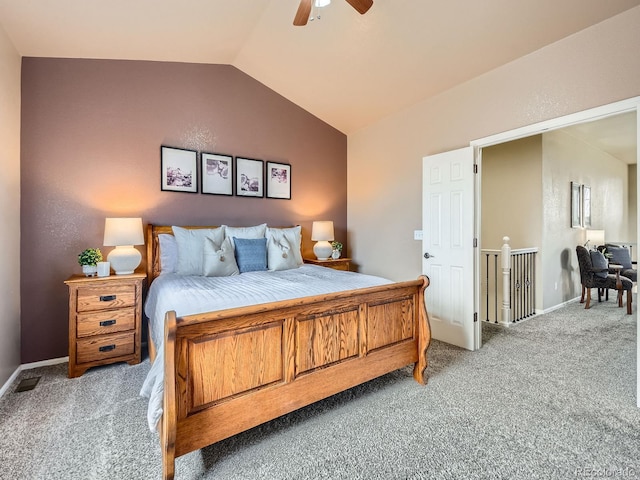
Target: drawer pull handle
[106, 323]
[107, 298]
[107, 348]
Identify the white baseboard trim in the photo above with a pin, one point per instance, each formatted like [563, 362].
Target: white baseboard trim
[29, 366]
[560, 305]
[8, 383]
[537, 312]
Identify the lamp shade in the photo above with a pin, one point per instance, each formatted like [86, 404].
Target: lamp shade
[595, 238]
[322, 230]
[123, 233]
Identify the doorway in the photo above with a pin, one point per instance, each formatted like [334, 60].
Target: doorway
[533, 177]
[630, 106]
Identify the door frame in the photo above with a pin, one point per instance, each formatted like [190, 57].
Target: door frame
[616, 108]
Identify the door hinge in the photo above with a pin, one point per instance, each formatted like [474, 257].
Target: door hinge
[475, 242]
[475, 168]
[475, 317]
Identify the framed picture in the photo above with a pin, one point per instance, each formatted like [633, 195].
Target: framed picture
[179, 169]
[586, 206]
[249, 177]
[576, 206]
[278, 180]
[216, 173]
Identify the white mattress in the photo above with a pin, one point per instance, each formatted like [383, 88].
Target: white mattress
[188, 295]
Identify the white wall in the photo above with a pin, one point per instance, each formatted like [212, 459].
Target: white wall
[564, 160]
[512, 193]
[9, 208]
[632, 225]
[594, 67]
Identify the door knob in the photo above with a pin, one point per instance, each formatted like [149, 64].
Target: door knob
[428, 256]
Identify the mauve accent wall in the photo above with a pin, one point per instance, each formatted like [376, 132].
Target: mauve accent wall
[90, 148]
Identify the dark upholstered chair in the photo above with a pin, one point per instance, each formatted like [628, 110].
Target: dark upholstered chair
[596, 275]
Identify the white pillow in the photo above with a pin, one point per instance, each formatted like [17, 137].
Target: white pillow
[168, 253]
[219, 260]
[280, 254]
[293, 236]
[191, 247]
[257, 231]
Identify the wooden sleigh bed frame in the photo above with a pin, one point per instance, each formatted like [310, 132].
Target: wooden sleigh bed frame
[279, 357]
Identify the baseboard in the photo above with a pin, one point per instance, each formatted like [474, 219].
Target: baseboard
[8, 383]
[560, 305]
[537, 312]
[29, 366]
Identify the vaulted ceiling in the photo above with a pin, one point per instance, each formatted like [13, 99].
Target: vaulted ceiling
[349, 70]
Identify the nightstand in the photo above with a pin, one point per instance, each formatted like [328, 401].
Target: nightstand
[338, 264]
[105, 318]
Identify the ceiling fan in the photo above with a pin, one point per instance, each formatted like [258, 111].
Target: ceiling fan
[304, 9]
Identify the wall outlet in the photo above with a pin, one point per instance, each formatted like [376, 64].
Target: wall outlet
[417, 234]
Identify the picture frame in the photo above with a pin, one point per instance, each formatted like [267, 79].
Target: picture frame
[178, 169]
[576, 205]
[278, 180]
[249, 177]
[216, 174]
[586, 206]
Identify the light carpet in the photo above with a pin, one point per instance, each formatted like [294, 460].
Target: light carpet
[550, 398]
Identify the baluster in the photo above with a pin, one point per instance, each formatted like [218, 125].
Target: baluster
[495, 288]
[506, 283]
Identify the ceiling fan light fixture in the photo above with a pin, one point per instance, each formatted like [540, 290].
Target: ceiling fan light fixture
[307, 9]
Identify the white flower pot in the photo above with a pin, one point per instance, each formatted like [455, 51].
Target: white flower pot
[89, 270]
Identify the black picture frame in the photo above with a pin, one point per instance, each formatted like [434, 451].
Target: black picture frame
[278, 180]
[216, 173]
[249, 174]
[178, 169]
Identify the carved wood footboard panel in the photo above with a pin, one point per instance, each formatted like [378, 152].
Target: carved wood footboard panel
[230, 370]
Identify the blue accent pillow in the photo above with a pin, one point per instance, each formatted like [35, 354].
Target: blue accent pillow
[251, 254]
[619, 255]
[598, 262]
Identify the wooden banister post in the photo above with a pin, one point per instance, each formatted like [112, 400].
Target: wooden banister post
[506, 284]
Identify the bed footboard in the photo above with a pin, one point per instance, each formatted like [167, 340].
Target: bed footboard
[231, 370]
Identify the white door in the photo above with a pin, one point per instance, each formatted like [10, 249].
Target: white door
[448, 202]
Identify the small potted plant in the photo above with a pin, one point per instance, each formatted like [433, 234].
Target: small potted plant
[337, 250]
[89, 259]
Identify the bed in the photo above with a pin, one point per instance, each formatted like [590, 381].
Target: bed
[218, 371]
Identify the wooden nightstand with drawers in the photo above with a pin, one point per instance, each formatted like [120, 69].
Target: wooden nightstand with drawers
[105, 317]
[337, 264]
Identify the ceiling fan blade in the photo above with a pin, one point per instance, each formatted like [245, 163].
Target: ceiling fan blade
[362, 6]
[302, 15]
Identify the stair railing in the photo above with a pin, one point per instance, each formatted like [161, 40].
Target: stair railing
[513, 287]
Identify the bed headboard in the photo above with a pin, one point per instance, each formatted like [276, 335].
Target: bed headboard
[153, 247]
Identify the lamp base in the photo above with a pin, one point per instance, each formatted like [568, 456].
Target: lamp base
[124, 259]
[322, 250]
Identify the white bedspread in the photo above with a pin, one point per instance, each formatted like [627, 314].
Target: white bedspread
[188, 295]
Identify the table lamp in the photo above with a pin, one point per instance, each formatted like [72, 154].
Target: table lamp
[595, 238]
[322, 233]
[123, 233]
